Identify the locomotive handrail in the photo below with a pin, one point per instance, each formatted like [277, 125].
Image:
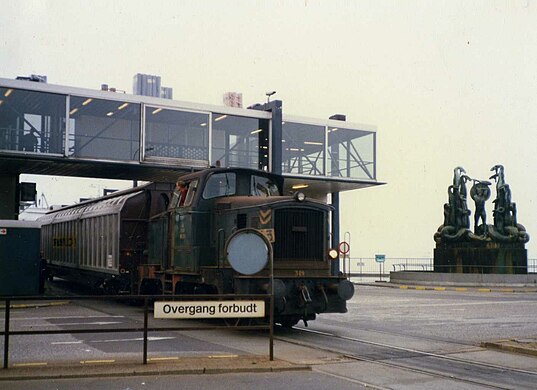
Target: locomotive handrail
[282, 201]
[145, 328]
[220, 253]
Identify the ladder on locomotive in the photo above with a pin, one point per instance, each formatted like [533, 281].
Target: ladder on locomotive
[167, 288]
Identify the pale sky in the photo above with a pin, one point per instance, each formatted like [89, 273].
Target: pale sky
[447, 83]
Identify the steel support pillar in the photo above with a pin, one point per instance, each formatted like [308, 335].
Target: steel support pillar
[275, 108]
[335, 268]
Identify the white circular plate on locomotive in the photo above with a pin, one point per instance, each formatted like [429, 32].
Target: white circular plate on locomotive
[247, 252]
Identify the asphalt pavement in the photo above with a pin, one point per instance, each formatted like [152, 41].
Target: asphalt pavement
[526, 346]
[225, 363]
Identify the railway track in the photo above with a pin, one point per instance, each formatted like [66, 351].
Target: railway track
[463, 371]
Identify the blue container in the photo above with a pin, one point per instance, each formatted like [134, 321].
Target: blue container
[19, 258]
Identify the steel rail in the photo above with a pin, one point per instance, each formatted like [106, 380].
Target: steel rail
[436, 355]
[412, 351]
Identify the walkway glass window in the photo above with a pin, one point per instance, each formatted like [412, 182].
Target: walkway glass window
[32, 121]
[176, 134]
[106, 129]
[351, 153]
[303, 148]
[239, 142]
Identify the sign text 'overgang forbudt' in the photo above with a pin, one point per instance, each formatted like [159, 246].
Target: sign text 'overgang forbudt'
[209, 309]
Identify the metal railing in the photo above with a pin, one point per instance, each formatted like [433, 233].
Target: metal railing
[145, 329]
[484, 269]
[366, 266]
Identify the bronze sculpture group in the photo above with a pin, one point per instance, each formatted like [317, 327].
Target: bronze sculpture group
[456, 226]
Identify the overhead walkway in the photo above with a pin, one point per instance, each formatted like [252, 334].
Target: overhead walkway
[57, 130]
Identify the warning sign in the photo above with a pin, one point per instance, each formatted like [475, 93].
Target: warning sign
[210, 309]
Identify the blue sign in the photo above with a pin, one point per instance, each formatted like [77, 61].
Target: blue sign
[380, 258]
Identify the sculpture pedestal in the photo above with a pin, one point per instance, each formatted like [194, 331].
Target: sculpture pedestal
[481, 257]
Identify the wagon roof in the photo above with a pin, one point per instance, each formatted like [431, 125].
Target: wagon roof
[104, 206]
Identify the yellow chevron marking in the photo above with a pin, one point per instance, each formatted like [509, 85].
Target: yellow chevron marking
[265, 213]
[265, 216]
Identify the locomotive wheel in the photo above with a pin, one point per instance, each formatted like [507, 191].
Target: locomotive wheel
[110, 288]
[187, 288]
[150, 287]
[206, 289]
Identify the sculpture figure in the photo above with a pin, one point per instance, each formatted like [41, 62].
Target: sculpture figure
[456, 226]
[498, 175]
[463, 211]
[457, 174]
[459, 213]
[489, 248]
[506, 228]
[456, 213]
[480, 193]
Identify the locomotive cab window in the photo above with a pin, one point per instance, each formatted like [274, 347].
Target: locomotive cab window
[176, 197]
[220, 184]
[183, 194]
[263, 186]
[175, 200]
[192, 188]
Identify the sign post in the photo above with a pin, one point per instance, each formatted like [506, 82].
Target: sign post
[248, 251]
[380, 259]
[344, 248]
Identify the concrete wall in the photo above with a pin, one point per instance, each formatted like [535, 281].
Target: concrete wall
[453, 279]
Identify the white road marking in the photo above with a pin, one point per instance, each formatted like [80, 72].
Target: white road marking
[135, 339]
[76, 323]
[475, 303]
[61, 318]
[110, 341]
[526, 302]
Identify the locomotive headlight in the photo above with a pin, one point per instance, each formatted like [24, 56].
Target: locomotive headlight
[299, 196]
[332, 253]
